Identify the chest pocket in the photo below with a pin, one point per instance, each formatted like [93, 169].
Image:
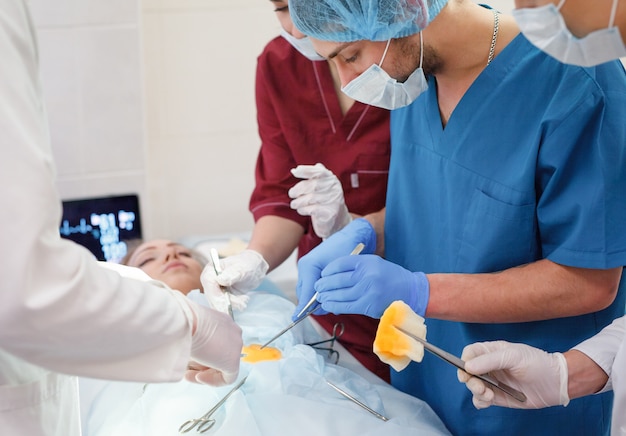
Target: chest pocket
[497, 235]
[366, 189]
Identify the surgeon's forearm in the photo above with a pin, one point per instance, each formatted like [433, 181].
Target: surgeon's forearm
[536, 291]
[275, 238]
[377, 220]
[585, 377]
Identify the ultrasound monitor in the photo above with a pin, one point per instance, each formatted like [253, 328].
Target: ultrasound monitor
[103, 225]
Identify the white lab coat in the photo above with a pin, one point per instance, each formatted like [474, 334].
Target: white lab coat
[608, 350]
[35, 401]
[58, 309]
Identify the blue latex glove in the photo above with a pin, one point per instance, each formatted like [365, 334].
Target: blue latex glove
[368, 284]
[339, 244]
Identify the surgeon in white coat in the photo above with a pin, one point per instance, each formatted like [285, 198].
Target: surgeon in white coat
[583, 33]
[60, 311]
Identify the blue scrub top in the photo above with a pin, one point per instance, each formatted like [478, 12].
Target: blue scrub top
[531, 165]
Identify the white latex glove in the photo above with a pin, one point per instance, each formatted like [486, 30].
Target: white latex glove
[216, 345]
[240, 273]
[321, 197]
[540, 375]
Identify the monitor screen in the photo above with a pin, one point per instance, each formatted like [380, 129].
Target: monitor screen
[102, 224]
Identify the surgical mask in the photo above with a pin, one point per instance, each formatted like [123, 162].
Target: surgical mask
[303, 45]
[545, 28]
[375, 87]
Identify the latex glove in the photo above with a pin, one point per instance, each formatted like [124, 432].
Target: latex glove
[540, 375]
[216, 345]
[368, 284]
[320, 196]
[240, 273]
[339, 244]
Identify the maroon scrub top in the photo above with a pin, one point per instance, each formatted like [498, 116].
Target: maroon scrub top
[300, 123]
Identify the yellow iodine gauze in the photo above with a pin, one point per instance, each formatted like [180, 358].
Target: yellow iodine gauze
[394, 347]
[253, 353]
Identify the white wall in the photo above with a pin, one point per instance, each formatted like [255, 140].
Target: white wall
[501, 5]
[91, 72]
[200, 60]
[156, 97]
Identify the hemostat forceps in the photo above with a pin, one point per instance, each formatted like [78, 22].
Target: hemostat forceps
[215, 258]
[338, 330]
[312, 302]
[205, 422]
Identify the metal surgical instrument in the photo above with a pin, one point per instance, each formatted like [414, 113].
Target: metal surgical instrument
[338, 330]
[215, 258]
[205, 422]
[310, 306]
[289, 327]
[360, 246]
[459, 363]
[354, 400]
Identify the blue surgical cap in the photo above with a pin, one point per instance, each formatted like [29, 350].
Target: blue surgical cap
[355, 20]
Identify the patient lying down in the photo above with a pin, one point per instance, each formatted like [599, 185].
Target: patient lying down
[286, 396]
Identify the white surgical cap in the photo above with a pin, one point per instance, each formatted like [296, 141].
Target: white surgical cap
[355, 20]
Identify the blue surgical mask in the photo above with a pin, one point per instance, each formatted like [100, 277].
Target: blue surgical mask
[375, 87]
[303, 45]
[545, 28]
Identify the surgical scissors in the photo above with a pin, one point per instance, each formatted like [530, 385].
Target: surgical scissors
[217, 266]
[205, 422]
[359, 247]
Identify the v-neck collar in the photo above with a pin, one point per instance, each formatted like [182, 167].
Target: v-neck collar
[352, 118]
[487, 80]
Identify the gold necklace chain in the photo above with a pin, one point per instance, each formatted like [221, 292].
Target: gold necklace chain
[494, 38]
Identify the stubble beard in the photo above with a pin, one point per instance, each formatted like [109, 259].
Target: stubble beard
[409, 54]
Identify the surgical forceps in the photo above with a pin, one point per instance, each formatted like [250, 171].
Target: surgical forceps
[357, 402]
[338, 330]
[205, 422]
[289, 327]
[459, 363]
[359, 247]
[217, 266]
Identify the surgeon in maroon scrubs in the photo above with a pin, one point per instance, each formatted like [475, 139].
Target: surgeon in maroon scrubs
[305, 119]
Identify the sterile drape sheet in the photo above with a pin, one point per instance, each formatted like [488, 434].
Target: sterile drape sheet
[284, 397]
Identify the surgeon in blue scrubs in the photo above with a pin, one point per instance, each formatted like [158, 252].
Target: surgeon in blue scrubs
[506, 200]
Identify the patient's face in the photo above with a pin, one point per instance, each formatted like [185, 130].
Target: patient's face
[170, 263]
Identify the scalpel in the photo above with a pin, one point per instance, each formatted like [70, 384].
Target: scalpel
[459, 363]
